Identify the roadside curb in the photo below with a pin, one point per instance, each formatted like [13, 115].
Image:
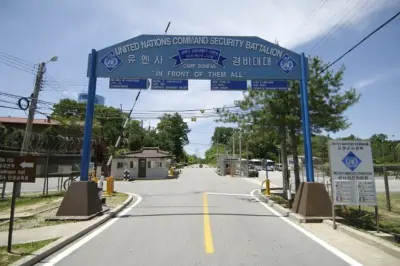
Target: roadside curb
[367, 238]
[46, 251]
[375, 241]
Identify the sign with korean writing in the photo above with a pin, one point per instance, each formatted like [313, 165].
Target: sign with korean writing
[352, 172]
[126, 83]
[220, 85]
[160, 84]
[281, 85]
[198, 57]
[17, 168]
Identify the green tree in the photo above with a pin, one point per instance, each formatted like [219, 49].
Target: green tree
[397, 150]
[222, 135]
[211, 154]
[378, 143]
[279, 113]
[107, 123]
[351, 137]
[134, 136]
[172, 134]
[320, 147]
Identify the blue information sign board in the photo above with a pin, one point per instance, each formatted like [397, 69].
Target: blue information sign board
[124, 83]
[220, 85]
[161, 84]
[197, 57]
[178, 57]
[269, 85]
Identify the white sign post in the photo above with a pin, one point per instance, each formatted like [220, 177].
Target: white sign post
[352, 174]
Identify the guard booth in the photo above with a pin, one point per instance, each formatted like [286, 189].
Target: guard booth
[227, 165]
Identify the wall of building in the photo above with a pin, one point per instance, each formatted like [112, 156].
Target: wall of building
[119, 165]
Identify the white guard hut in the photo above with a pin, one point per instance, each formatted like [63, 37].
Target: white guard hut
[146, 163]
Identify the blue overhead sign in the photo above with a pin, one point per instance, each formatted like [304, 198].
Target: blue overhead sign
[124, 83]
[221, 85]
[269, 85]
[198, 57]
[159, 84]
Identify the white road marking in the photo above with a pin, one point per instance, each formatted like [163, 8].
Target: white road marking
[258, 182]
[332, 249]
[228, 194]
[87, 238]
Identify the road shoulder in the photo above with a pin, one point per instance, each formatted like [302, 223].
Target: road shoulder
[362, 251]
[46, 251]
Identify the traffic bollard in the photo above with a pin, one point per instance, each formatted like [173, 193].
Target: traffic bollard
[110, 185]
[267, 188]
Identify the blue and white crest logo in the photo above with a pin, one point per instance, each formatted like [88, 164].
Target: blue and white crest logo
[199, 53]
[287, 64]
[351, 161]
[111, 61]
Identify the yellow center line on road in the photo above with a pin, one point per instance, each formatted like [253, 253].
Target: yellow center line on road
[208, 241]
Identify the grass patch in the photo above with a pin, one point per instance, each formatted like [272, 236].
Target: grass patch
[279, 200]
[116, 200]
[33, 222]
[32, 203]
[30, 199]
[364, 218]
[21, 250]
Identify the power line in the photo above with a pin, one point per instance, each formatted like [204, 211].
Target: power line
[56, 86]
[340, 16]
[12, 63]
[309, 18]
[10, 107]
[18, 59]
[360, 42]
[14, 96]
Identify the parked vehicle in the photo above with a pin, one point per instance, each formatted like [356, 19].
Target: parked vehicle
[278, 167]
[253, 171]
[270, 165]
[257, 163]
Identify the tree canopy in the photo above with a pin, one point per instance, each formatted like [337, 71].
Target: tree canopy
[269, 117]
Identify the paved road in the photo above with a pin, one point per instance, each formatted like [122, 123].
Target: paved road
[276, 179]
[186, 222]
[35, 187]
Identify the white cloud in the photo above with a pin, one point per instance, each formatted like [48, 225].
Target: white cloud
[268, 19]
[372, 79]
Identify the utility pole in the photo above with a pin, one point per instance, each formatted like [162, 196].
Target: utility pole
[247, 158]
[32, 109]
[240, 152]
[122, 133]
[233, 144]
[217, 146]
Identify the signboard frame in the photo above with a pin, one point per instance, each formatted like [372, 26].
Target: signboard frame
[351, 164]
[17, 168]
[227, 54]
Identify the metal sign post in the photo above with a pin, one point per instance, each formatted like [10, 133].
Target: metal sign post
[352, 175]
[87, 135]
[16, 169]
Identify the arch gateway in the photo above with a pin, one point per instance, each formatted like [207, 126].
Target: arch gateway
[167, 62]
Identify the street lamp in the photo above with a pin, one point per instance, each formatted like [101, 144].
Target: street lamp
[53, 59]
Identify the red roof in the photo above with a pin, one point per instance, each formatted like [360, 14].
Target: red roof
[147, 152]
[22, 120]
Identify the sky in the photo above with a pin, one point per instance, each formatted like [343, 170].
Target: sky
[35, 31]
